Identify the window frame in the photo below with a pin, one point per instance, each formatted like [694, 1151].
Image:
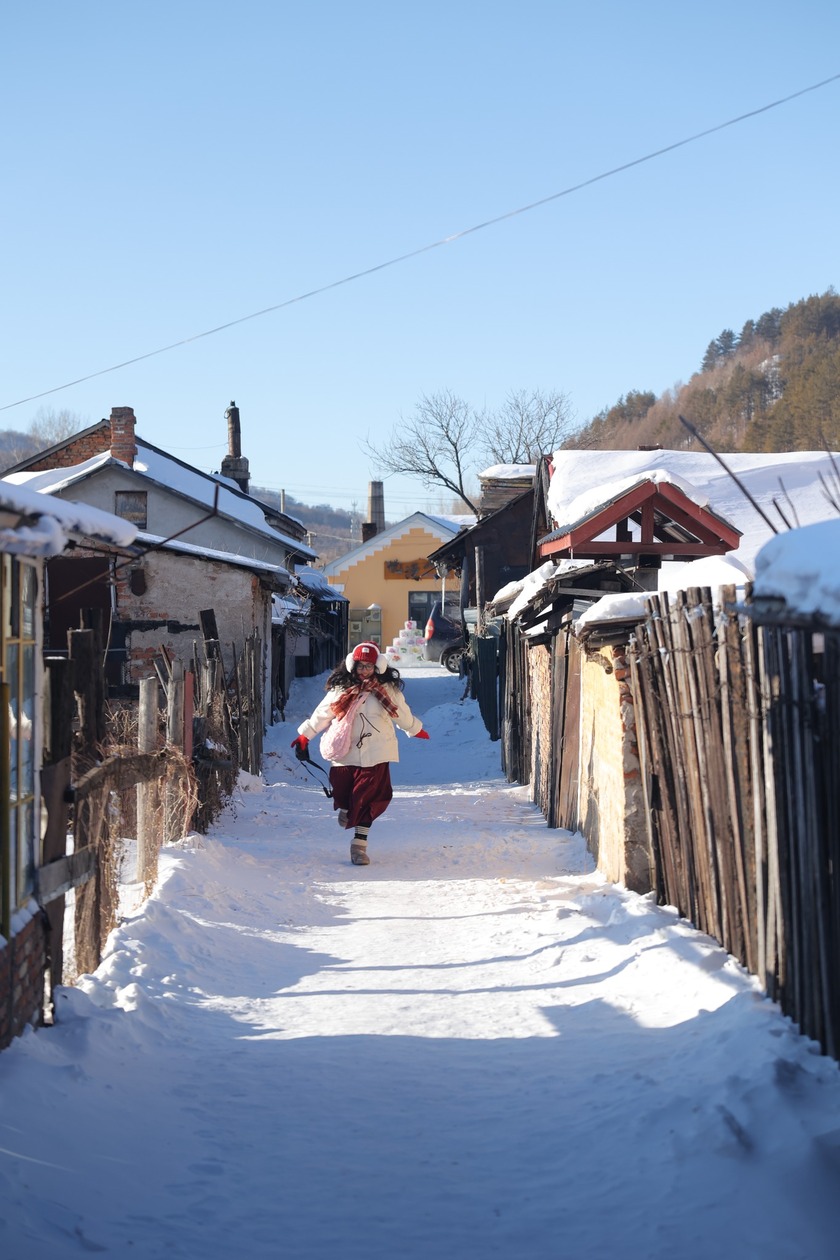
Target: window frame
[20, 640]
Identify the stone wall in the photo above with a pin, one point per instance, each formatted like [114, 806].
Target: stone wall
[176, 588]
[23, 961]
[539, 676]
[611, 801]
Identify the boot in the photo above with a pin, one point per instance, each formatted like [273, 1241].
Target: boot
[342, 818]
[358, 851]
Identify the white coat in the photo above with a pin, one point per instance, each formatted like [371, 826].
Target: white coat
[374, 737]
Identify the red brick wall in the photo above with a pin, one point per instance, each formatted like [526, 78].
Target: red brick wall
[76, 452]
[23, 961]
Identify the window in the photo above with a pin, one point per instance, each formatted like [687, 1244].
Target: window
[18, 638]
[420, 605]
[131, 505]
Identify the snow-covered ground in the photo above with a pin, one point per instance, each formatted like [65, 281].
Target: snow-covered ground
[472, 1048]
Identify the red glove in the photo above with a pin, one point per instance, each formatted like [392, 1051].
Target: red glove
[300, 745]
[422, 735]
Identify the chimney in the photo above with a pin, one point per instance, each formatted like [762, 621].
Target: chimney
[375, 522]
[123, 445]
[233, 465]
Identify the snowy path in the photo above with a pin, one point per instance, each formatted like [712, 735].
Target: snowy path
[472, 1048]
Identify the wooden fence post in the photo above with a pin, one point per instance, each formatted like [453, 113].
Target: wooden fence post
[175, 738]
[147, 793]
[59, 707]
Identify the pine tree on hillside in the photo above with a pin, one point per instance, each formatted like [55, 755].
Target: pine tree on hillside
[776, 386]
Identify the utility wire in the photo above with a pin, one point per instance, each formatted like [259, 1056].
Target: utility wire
[424, 249]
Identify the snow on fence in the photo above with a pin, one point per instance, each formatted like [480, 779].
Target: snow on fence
[739, 737]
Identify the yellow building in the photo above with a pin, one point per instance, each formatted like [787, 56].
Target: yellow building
[389, 580]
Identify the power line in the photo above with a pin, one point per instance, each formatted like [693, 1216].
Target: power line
[424, 249]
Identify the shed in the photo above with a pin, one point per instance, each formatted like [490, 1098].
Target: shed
[33, 528]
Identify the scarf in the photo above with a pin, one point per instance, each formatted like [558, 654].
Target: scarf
[358, 689]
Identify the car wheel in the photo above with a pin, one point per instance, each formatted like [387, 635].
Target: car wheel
[451, 660]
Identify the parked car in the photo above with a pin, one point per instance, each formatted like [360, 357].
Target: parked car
[444, 640]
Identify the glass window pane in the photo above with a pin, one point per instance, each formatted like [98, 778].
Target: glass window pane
[25, 722]
[26, 851]
[5, 630]
[12, 657]
[29, 594]
[14, 609]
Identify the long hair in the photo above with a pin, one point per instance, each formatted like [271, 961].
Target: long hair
[340, 677]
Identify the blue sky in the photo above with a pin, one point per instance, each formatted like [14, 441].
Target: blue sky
[171, 167]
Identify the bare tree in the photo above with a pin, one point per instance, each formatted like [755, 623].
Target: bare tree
[446, 439]
[435, 444]
[50, 427]
[528, 425]
[14, 447]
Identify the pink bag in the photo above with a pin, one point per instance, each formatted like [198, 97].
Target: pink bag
[336, 739]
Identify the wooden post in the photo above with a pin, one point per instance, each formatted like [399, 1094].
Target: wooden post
[88, 662]
[174, 737]
[59, 710]
[147, 792]
[479, 588]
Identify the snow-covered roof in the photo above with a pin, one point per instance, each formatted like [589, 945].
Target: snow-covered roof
[595, 498]
[436, 525]
[711, 571]
[790, 477]
[456, 520]
[175, 476]
[508, 472]
[801, 567]
[529, 587]
[53, 522]
[287, 605]
[210, 553]
[316, 584]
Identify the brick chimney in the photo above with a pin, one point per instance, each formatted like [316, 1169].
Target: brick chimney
[375, 522]
[234, 464]
[123, 445]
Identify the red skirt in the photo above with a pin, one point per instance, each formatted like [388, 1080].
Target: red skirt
[364, 791]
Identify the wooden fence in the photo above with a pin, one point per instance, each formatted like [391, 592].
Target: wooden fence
[141, 775]
[739, 739]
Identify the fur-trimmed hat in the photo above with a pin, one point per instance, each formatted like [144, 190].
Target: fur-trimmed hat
[368, 654]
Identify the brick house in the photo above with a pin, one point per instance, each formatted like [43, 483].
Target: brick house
[33, 528]
[203, 543]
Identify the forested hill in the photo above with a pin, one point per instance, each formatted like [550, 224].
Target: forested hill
[332, 532]
[775, 386]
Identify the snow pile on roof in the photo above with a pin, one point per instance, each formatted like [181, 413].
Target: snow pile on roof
[597, 497]
[790, 478]
[455, 520]
[531, 585]
[622, 606]
[57, 521]
[801, 567]
[508, 472]
[285, 606]
[711, 571]
[313, 581]
[52, 480]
